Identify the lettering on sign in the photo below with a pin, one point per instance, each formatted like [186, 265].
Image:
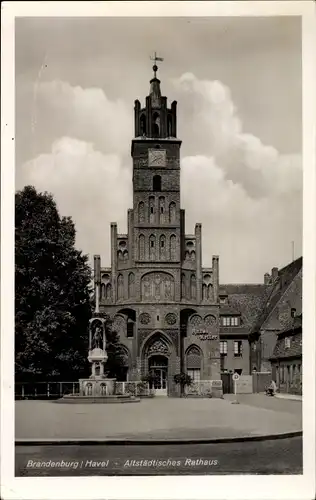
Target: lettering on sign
[204, 334]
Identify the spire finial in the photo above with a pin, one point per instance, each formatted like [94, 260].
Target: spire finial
[155, 58]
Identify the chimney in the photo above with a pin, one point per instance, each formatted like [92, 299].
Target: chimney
[274, 273]
[266, 279]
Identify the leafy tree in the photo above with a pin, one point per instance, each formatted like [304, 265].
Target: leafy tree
[183, 379]
[52, 303]
[115, 363]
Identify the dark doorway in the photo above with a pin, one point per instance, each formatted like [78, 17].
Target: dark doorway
[228, 386]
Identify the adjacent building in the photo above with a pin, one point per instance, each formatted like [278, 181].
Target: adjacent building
[286, 359]
[283, 300]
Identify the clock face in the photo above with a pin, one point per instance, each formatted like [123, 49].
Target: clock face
[156, 157]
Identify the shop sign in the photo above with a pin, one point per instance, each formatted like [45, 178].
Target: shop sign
[204, 334]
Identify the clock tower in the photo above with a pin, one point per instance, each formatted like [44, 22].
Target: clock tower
[156, 180]
[162, 303]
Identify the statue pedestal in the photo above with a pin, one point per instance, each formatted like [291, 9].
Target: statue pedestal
[97, 387]
[97, 358]
[97, 384]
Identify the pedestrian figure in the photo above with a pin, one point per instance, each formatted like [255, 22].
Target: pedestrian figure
[271, 389]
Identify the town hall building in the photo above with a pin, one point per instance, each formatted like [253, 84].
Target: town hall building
[171, 313]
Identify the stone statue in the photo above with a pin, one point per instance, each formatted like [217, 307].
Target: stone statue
[97, 338]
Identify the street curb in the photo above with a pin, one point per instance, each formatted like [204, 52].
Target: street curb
[150, 442]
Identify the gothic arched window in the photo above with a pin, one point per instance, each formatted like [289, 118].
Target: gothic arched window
[108, 292]
[151, 207]
[143, 125]
[120, 287]
[162, 247]
[193, 286]
[157, 183]
[194, 362]
[102, 290]
[152, 249]
[173, 247]
[156, 125]
[183, 285]
[205, 292]
[131, 282]
[172, 212]
[141, 212]
[141, 247]
[161, 209]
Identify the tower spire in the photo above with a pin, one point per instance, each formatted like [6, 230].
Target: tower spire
[155, 93]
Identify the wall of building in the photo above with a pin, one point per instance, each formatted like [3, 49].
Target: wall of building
[288, 374]
[231, 362]
[279, 318]
[162, 322]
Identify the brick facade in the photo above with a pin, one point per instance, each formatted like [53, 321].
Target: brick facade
[156, 292]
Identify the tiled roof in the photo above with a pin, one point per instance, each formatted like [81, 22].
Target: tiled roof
[241, 288]
[228, 309]
[276, 290]
[295, 349]
[293, 325]
[245, 299]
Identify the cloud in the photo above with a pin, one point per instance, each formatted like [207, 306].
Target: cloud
[93, 188]
[244, 159]
[247, 196]
[56, 109]
[251, 235]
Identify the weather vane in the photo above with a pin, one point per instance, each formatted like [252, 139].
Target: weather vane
[156, 58]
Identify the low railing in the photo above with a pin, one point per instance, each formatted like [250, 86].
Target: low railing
[45, 390]
[56, 390]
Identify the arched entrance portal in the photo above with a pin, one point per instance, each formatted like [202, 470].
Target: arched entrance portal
[158, 366]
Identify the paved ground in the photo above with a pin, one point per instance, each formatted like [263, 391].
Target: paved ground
[159, 418]
[281, 456]
[268, 402]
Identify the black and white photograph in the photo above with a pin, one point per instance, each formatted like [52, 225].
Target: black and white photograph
[158, 298]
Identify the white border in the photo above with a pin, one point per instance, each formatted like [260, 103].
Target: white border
[228, 487]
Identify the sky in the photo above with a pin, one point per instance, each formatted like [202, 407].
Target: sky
[237, 82]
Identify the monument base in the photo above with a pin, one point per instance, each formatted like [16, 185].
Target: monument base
[97, 389]
[97, 386]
